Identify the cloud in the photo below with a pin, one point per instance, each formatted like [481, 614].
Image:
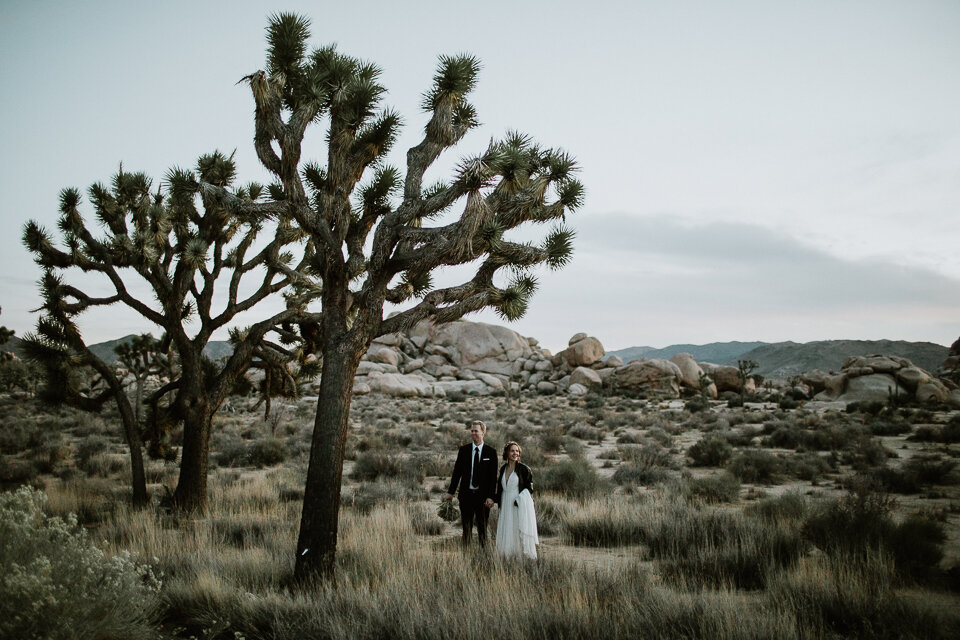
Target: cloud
[662, 279]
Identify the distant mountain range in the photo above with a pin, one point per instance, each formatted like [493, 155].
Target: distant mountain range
[775, 360]
[214, 350]
[785, 359]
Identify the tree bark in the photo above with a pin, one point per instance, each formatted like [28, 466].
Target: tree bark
[191, 493]
[317, 543]
[131, 431]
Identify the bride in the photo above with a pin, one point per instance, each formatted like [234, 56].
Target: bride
[517, 522]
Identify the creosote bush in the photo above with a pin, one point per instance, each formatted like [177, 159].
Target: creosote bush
[55, 584]
[575, 478]
[712, 450]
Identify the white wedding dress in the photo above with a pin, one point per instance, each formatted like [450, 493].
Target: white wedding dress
[517, 523]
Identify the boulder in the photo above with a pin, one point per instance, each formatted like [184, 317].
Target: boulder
[835, 384]
[954, 399]
[390, 340]
[690, 371]
[386, 355]
[468, 387]
[932, 390]
[583, 353]
[614, 361]
[660, 378]
[543, 365]
[577, 337]
[367, 367]
[491, 381]
[395, 384]
[911, 377]
[546, 388]
[879, 364]
[482, 347]
[815, 379]
[726, 378]
[576, 390]
[587, 378]
[413, 365]
[877, 387]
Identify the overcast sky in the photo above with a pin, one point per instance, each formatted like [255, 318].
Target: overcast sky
[768, 170]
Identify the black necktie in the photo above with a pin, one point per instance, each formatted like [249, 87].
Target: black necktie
[476, 463]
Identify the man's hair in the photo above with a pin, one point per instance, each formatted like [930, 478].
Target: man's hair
[475, 423]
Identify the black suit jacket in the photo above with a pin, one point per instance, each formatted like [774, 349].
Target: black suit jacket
[487, 478]
[524, 476]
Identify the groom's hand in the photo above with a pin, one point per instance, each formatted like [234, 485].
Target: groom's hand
[488, 503]
[448, 497]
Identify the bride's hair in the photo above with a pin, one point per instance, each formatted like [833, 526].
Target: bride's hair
[506, 448]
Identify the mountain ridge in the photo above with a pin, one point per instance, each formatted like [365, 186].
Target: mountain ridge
[785, 359]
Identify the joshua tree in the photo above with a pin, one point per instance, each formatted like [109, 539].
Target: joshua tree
[141, 357]
[5, 334]
[744, 369]
[182, 254]
[374, 241]
[67, 364]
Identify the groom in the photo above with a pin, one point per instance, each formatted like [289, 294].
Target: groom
[476, 473]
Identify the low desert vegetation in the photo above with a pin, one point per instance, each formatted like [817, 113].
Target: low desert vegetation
[654, 521]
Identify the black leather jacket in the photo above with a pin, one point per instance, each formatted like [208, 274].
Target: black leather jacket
[524, 476]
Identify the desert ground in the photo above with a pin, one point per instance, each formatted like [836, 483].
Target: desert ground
[672, 519]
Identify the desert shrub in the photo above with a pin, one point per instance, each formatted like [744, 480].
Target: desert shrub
[104, 465]
[371, 465]
[861, 524]
[661, 437]
[634, 473]
[811, 466]
[788, 402]
[267, 452]
[91, 446]
[890, 426]
[742, 437]
[19, 434]
[233, 454]
[604, 525]
[757, 466]
[575, 478]
[16, 472]
[919, 471]
[873, 408]
[715, 548]
[55, 584]
[721, 487]
[429, 464]
[370, 495]
[244, 532]
[425, 521]
[696, 404]
[552, 513]
[791, 506]
[711, 451]
[630, 437]
[865, 452]
[550, 440]
[948, 434]
[832, 598]
[586, 432]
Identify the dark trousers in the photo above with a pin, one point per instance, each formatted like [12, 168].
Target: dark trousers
[473, 510]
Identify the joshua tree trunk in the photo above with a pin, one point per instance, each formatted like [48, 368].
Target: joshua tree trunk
[191, 493]
[317, 543]
[131, 431]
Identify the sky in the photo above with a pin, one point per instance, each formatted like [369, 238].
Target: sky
[755, 170]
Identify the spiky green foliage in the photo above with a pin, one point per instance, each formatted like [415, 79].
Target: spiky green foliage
[193, 237]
